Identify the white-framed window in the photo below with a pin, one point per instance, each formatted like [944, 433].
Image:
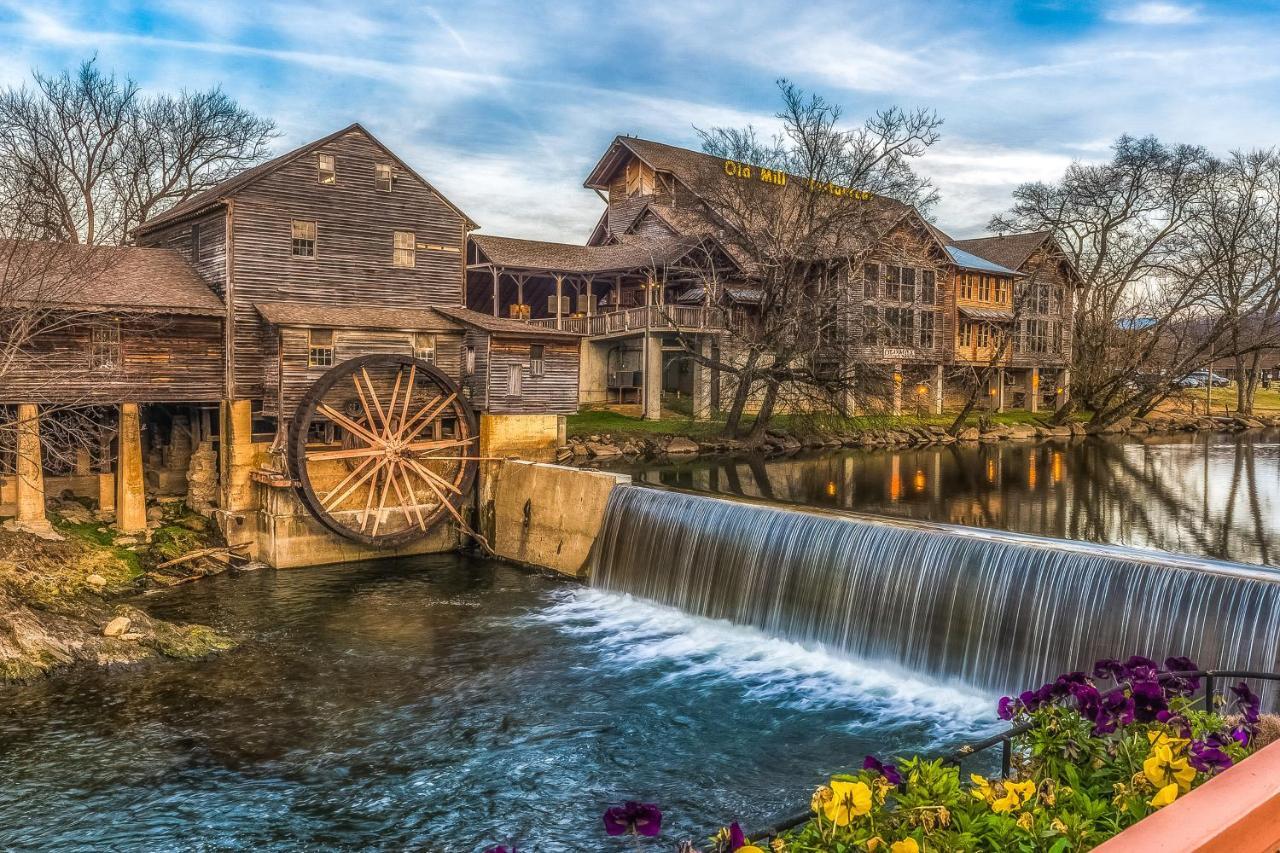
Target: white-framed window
[304, 238]
[469, 360]
[402, 251]
[104, 345]
[537, 360]
[320, 347]
[327, 169]
[424, 347]
[382, 177]
[514, 380]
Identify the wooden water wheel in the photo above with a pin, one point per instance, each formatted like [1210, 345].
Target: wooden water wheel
[383, 448]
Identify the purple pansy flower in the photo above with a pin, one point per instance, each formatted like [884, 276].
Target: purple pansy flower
[1141, 668]
[1208, 758]
[1114, 711]
[1006, 707]
[1109, 668]
[502, 848]
[736, 838]
[1148, 701]
[1248, 703]
[1240, 735]
[1088, 699]
[631, 816]
[888, 771]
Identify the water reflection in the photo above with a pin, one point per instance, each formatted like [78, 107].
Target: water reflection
[1209, 495]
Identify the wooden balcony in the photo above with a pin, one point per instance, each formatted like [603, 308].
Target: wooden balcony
[629, 321]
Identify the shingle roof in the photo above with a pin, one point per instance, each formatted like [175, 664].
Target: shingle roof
[569, 258]
[968, 261]
[505, 327]
[354, 317]
[216, 195]
[996, 314]
[1009, 250]
[123, 278]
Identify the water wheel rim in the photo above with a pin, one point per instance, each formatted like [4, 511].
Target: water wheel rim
[457, 406]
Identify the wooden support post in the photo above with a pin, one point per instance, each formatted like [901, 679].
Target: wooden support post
[559, 301]
[131, 497]
[651, 393]
[897, 390]
[938, 390]
[29, 474]
[702, 383]
[1000, 390]
[1062, 392]
[1033, 389]
[84, 463]
[494, 271]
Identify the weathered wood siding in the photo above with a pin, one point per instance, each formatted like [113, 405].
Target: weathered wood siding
[296, 376]
[164, 359]
[554, 392]
[906, 246]
[211, 260]
[353, 259]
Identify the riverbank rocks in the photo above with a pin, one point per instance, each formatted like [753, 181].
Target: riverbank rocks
[117, 626]
[606, 449]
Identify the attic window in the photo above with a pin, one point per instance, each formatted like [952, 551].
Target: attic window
[639, 179]
[382, 177]
[328, 170]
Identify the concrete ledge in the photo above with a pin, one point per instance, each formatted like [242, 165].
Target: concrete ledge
[543, 515]
[1238, 811]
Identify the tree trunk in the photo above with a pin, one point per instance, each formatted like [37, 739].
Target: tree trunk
[766, 412]
[740, 394]
[1243, 403]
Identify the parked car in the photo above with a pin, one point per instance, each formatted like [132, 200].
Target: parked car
[1201, 378]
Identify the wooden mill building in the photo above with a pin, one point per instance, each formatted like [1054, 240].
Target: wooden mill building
[930, 305]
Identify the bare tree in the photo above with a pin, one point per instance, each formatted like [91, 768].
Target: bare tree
[94, 157]
[795, 212]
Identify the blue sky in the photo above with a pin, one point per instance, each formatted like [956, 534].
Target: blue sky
[505, 106]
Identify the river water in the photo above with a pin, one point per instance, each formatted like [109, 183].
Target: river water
[1211, 495]
[443, 704]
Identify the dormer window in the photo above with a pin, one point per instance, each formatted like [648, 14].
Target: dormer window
[328, 169]
[382, 177]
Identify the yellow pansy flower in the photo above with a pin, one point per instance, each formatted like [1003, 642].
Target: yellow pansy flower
[848, 800]
[906, 845]
[981, 787]
[750, 848]
[1161, 768]
[1175, 744]
[1005, 804]
[1023, 790]
[1165, 795]
[874, 843]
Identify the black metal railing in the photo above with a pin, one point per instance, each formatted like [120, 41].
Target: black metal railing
[1209, 677]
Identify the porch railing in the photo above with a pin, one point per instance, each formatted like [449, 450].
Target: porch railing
[638, 319]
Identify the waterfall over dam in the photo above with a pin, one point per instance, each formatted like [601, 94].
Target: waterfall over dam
[996, 610]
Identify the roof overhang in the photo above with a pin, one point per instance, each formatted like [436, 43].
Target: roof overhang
[993, 315]
[308, 315]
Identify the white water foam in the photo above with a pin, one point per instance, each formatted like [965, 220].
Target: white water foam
[633, 633]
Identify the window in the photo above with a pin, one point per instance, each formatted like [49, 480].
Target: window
[966, 334]
[892, 282]
[984, 335]
[382, 177]
[537, 360]
[104, 346]
[513, 380]
[469, 360]
[925, 320]
[908, 284]
[328, 170]
[304, 239]
[870, 281]
[320, 348]
[424, 347]
[966, 286]
[402, 252]
[928, 287]
[870, 325]
[195, 242]
[901, 325]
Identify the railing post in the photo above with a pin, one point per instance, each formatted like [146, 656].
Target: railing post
[1208, 693]
[1005, 757]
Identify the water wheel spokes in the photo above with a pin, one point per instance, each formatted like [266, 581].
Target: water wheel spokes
[383, 449]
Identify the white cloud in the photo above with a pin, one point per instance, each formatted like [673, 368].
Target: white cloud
[1156, 14]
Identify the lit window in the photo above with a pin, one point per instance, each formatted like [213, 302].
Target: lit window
[320, 347]
[402, 254]
[304, 238]
[328, 169]
[513, 380]
[104, 345]
[382, 177]
[537, 362]
[424, 347]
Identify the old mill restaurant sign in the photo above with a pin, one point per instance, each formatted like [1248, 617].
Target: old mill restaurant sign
[734, 169]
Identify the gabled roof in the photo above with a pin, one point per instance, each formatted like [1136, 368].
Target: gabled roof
[106, 278]
[968, 261]
[544, 256]
[217, 195]
[1008, 250]
[504, 327]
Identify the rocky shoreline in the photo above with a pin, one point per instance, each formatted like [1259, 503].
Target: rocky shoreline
[606, 449]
